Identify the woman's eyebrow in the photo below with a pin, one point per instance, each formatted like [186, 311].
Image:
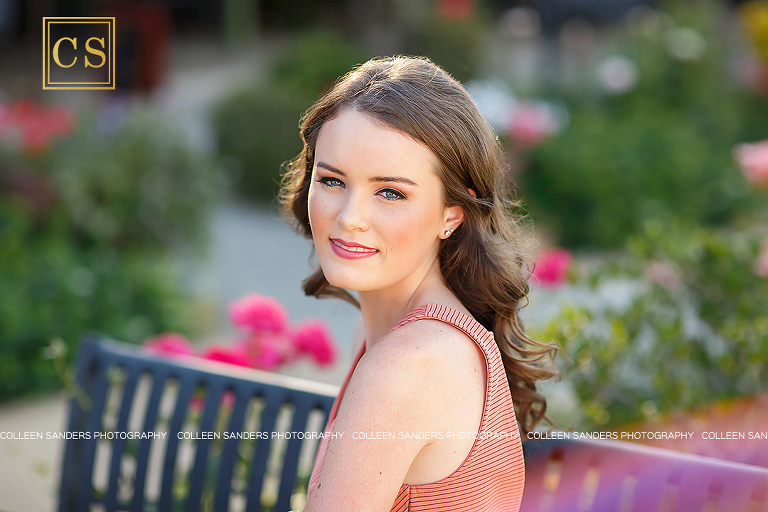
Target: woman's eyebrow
[330, 168]
[395, 179]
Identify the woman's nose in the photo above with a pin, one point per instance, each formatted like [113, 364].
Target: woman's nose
[354, 212]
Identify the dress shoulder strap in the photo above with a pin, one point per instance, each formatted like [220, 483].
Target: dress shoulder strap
[465, 323]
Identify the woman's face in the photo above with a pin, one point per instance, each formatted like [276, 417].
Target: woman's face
[375, 204]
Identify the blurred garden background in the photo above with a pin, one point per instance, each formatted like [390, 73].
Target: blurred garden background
[636, 135]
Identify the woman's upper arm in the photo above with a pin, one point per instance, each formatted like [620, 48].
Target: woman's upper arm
[388, 395]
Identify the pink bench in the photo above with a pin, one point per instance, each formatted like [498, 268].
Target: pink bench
[585, 475]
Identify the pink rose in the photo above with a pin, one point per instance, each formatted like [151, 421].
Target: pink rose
[270, 356]
[197, 402]
[6, 121]
[530, 124]
[169, 344]
[753, 161]
[268, 351]
[761, 264]
[36, 125]
[663, 275]
[552, 267]
[258, 313]
[456, 9]
[225, 354]
[60, 120]
[312, 337]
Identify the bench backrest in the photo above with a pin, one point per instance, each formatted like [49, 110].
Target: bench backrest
[585, 475]
[130, 390]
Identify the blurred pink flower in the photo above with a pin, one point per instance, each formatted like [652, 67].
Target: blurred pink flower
[36, 124]
[197, 402]
[268, 351]
[552, 267]
[663, 275]
[259, 313]
[312, 337]
[35, 138]
[456, 9]
[753, 160]
[270, 356]
[227, 354]
[60, 120]
[171, 344]
[6, 121]
[761, 264]
[530, 124]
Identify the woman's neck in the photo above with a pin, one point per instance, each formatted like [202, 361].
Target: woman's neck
[383, 309]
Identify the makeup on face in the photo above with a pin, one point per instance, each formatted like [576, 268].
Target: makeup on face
[375, 203]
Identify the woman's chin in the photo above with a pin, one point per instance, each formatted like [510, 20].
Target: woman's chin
[347, 284]
[352, 283]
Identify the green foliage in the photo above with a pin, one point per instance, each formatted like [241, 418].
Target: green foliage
[93, 255]
[451, 44]
[661, 151]
[696, 329]
[138, 188]
[257, 129]
[313, 62]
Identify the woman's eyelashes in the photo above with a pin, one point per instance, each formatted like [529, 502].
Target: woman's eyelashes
[330, 181]
[389, 194]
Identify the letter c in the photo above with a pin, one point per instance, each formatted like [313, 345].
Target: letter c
[56, 51]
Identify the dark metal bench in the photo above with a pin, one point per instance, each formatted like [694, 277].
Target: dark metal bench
[124, 384]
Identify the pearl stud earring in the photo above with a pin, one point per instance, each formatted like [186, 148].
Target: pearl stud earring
[448, 232]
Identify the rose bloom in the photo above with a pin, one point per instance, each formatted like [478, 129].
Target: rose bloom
[227, 354]
[169, 344]
[753, 161]
[259, 313]
[312, 337]
[663, 275]
[761, 265]
[552, 267]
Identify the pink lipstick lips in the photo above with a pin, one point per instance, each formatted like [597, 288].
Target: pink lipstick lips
[351, 250]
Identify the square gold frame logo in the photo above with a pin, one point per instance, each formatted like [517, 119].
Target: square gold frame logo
[50, 52]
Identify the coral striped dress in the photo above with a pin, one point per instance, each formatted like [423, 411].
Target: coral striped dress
[492, 476]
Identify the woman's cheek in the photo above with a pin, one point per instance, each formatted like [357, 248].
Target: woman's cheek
[317, 212]
[402, 228]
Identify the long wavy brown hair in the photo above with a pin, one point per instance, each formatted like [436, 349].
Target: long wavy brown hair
[487, 261]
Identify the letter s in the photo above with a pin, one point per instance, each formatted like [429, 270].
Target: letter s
[94, 51]
[56, 51]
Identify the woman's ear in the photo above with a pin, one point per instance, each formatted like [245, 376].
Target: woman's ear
[454, 216]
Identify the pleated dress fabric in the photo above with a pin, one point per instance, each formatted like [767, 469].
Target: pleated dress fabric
[492, 476]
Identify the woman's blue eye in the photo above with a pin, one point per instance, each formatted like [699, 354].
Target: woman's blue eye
[391, 194]
[331, 181]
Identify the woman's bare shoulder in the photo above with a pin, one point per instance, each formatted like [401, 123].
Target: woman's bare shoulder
[429, 337]
[438, 351]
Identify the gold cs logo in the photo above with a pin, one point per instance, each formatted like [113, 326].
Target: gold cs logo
[61, 53]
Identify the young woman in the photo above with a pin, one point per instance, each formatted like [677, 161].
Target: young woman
[399, 186]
